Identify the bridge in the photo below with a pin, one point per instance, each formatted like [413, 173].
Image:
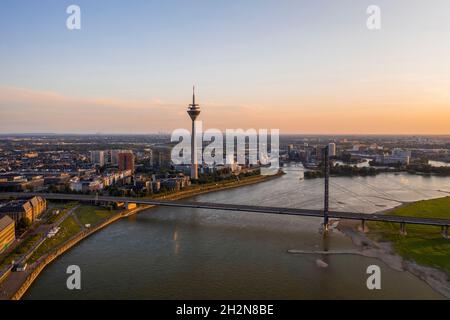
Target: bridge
[363, 217]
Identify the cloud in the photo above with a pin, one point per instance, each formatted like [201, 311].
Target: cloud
[23, 96]
[26, 110]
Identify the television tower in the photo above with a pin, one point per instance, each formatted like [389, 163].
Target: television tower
[193, 112]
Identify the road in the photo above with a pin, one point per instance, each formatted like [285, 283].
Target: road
[15, 279]
[239, 207]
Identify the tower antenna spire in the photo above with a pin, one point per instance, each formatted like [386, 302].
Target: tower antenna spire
[193, 112]
[193, 105]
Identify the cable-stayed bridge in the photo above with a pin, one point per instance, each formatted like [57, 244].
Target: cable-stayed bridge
[402, 220]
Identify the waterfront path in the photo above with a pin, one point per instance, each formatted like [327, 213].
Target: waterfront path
[14, 280]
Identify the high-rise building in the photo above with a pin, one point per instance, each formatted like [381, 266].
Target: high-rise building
[114, 156]
[161, 156]
[193, 112]
[332, 149]
[98, 157]
[126, 161]
[290, 148]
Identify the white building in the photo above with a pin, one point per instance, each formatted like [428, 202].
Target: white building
[397, 152]
[232, 164]
[332, 149]
[397, 156]
[98, 158]
[86, 185]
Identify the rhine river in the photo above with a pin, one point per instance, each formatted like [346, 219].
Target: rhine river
[175, 253]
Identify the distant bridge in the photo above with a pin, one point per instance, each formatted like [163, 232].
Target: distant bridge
[402, 220]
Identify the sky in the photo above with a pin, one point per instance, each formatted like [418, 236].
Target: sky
[299, 66]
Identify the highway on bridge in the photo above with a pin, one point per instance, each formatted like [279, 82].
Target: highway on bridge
[444, 223]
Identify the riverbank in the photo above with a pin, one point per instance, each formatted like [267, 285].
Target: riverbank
[424, 244]
[219, 186]
[40, 264]
[424, 253]
[347, 170]
[18, 290]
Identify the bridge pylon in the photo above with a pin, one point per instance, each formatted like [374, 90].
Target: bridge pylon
[326, 204]
[444, 232]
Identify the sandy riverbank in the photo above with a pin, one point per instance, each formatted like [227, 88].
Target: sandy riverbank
[384, 251]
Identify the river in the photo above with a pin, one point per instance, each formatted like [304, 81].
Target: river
[176, 253]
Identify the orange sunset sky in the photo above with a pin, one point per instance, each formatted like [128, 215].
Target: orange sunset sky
[298, 66]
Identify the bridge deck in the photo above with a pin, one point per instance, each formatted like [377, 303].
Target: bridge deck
[240, 207]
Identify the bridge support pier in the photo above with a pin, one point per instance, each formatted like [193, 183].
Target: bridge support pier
[444, 232]
[403, 229]
[363, 226]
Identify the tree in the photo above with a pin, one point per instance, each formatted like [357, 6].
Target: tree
[52, 189]
[24, 223]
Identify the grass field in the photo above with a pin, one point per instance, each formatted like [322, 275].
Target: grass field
[63, 208]
[422, 244]
[69, 228]
[31, 240]
[92, 214]
[23, 248]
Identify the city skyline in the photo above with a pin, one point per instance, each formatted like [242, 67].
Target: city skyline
[130, 68]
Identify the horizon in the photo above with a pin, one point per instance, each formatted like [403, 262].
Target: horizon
[169, 133]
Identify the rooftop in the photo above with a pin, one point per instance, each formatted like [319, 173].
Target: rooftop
[5, 222]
